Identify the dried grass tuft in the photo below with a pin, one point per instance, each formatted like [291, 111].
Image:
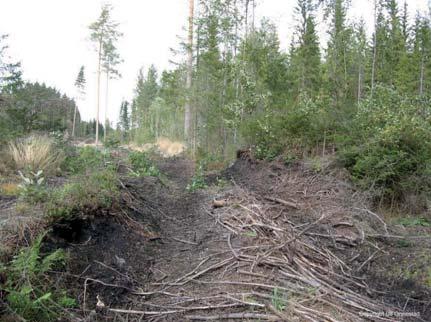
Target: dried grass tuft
[34, 153]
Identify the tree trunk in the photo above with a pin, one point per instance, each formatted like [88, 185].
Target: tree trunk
[187, 108]
[246, 17]
[98, 91]
[421, 79]
[106, 105]
[373, 69]
[359, 83]
[74, 122]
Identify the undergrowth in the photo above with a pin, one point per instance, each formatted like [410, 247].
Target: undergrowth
[29, 294]
[35, 153]
[198, 180]
[142, 165]
[86, 159]
[84, 193]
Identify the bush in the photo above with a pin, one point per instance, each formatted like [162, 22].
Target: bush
[86, 193]
[35, 153]
[86, 159]
[29, 293]
[198, 180]
[297, 128]
[112, 142]
[142, 165]
[389, 150]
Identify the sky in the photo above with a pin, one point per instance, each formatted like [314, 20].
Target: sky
[51, 39]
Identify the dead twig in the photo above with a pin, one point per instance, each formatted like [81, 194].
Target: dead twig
[284, 202]
[228, 316]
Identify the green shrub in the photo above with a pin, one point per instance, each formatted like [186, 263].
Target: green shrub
[29, 293]
[297, 128]
[142, 165]
[198, 180]
[390, 150]
[86, 159]
[112, 142]
[85, 193]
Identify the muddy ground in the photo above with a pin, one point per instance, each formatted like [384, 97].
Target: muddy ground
[166, 254]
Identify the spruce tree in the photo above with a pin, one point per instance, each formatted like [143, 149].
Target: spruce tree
[80, 89]
[305, 54]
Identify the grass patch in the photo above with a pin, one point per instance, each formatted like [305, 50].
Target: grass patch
[9, 189]
[413, 221]
[278, 300]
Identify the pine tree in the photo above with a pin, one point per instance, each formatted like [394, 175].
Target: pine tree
[103, 32]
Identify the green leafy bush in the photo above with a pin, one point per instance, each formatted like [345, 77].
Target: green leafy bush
[112, 142]
[142, 165]
[389, 150]
[297, 128]
[86, 159]
[198, 180]
[29, 293]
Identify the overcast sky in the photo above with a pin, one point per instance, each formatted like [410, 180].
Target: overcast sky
[50, 38]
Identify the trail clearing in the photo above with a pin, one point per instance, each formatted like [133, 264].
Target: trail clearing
[272, 243]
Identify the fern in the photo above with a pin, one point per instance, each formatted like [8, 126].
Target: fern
[28, 296]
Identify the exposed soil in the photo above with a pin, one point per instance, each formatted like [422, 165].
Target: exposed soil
[166, 254]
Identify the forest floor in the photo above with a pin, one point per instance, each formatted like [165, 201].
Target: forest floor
[262, 242]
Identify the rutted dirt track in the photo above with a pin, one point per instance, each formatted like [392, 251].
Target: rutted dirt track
[165, 254]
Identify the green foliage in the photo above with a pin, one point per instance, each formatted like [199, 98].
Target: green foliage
[112, 142]
[300, 127]
[278, 300]
[84, 193]
[389, 149]
[36, 107]
[198, 180]
[413, 221]
[32, 189]
[86, 159]
[142, 165]
[29, 292]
